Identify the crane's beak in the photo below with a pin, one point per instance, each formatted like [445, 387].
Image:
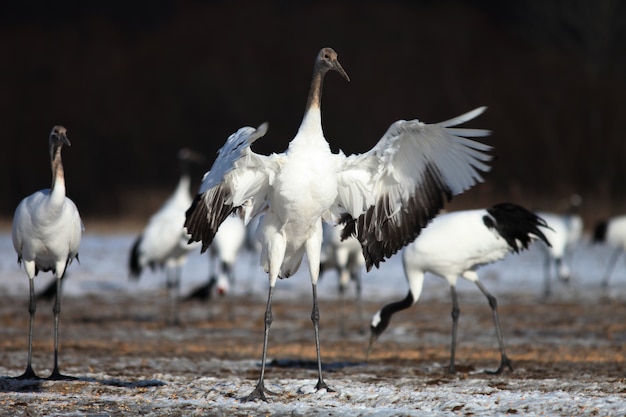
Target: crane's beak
[337, 67]
[63, 140]
[373, 338]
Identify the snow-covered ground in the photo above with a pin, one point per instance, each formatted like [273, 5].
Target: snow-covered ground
[103, 271]
[104, 260]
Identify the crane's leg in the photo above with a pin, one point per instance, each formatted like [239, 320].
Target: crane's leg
[313, 251]
[173, 289]
[229, 272]
[455, 321]
[342, 307]
[275, 253]
[315, 317]
[259, 391]
[563, 271]
[356, 276]
[504, 360]
[612, 261]
[56, 310]
[32, 307]
[547, 290]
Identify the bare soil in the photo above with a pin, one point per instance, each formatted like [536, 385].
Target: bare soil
[124, 343]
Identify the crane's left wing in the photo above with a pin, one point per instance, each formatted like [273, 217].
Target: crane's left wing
[387, 195]
[238, 179]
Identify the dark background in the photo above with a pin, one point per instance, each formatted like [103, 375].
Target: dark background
[135, 81]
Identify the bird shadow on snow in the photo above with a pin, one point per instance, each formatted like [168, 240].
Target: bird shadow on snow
[10, 384]
[311, 364]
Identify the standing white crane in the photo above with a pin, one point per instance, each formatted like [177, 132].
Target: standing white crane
[345, 257]
[46, 234]
[611, 231]
[384, 197]
[164, 241]
[456, 244]
[565, 231]
[223, 253]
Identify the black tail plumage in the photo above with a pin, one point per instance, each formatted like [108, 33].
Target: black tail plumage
[50, 292]
[134, 267]
[599, 232]
[516, 225]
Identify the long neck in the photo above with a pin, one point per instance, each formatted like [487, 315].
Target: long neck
[315, 92]
[389, 310]
[311, 125]
[58, 176]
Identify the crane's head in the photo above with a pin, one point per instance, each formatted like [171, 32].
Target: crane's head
[377, 327]
[327, 58]
[58, 136]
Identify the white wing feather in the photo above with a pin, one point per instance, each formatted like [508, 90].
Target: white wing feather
[238, 179]
[407, 174]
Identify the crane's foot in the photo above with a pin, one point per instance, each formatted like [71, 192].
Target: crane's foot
[258, 393]
[504, 363]
[451, 369]
[58, 376]
[28, 374]
[322, 385]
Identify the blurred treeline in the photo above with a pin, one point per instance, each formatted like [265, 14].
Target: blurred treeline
[135, 81]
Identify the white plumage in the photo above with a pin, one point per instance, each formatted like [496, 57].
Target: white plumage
[46, 234]
[384, 196]
[454, 245]
[611, 231]
[164, 242]
[223, 253]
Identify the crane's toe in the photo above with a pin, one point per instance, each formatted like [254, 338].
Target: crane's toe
[58, 376]
[504, 363]
[322, 385]
[28, 374]
[258, 393]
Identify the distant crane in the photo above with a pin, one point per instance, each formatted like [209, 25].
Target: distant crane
[456, 244]
[223, 253]
[46, 234]
[163, 243]
[383, 197]
[565, 231]
[611, 231]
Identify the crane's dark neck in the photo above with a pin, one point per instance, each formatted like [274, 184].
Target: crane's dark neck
[389, 310]
[314, 101]
[58, 175]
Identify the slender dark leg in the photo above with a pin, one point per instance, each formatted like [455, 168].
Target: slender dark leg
[32, 307]
[260, 390]
[173, 289]
[504, 360]
[230, 274]
[315, 318]
[56, 309]
[562, 270]
[612, 261]
[547, 290]
[455, 320]
[356, 276]
[342, 307]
